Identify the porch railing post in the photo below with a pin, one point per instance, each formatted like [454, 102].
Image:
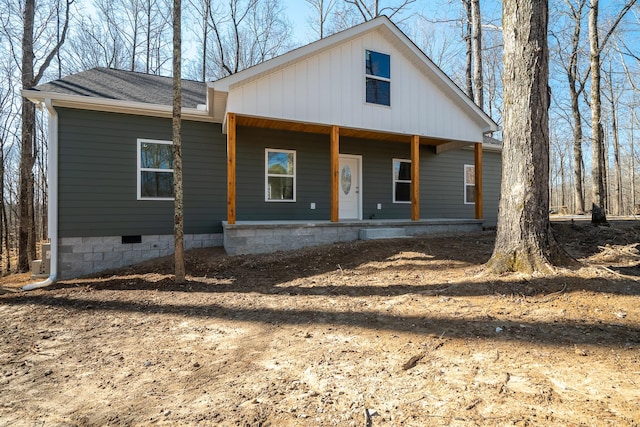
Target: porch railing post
[231, 168]
[335, 150]
[415, 178]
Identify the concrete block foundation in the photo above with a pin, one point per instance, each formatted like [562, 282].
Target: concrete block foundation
[255, 237]
[81, 256]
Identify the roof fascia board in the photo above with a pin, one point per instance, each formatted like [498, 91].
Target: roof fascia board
[115, 105]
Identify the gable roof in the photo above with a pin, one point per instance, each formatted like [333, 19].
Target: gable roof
[396, 37]
[109, 89]
[128, 86]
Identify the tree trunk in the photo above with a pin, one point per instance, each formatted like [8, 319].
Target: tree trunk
[616, 148]
[178, 215]
[633, 164]
[26, 233]
[598, 214]
[469, 46]
[205, 38]
[574, 92]
[28, 148]
[4, 228]
[476, 24]
[524, 241]
[577, 156]
[148, 50]
[7, 240]
[562, 194]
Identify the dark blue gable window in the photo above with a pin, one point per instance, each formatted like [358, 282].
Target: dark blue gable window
[378, 78]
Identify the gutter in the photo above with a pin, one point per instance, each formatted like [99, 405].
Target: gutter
[52, 170]
[83, 102]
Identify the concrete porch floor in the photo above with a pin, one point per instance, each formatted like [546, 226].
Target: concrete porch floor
[253, 237]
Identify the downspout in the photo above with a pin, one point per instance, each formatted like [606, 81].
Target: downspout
[52, 171]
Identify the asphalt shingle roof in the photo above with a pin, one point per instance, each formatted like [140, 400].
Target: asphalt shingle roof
[126, 86]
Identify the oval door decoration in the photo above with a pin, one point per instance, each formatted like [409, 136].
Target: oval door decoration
[345, 178]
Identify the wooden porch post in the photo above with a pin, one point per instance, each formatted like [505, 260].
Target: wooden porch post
[478, 179]
[335, 150]
[231, 168]
[415, 178]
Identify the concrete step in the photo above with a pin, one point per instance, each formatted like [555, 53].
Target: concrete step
[382, 233]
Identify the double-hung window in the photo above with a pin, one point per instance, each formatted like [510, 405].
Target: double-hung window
[378, 78]
[155, 170]
[401, 181]
[469, 184]
[280, 175]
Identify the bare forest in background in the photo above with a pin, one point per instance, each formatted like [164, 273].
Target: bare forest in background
[594, 79]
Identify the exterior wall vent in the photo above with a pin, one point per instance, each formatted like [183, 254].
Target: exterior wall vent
[131, 239]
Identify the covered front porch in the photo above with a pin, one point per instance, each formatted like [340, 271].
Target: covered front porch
[333, 134]
[253, 237]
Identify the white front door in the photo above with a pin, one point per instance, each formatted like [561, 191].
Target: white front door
[349, 187]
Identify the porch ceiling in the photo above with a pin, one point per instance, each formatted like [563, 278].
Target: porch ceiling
[268, 123]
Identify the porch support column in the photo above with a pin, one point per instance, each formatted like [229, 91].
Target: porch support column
[335, 150]
[231, 168]
[478, 179]
[415, 178]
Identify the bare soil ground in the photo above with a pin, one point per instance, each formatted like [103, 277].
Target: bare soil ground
[380, 333]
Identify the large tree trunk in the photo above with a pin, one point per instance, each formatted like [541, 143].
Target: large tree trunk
[178, 215]
[476, 24]
[524, 241]
[26, 232]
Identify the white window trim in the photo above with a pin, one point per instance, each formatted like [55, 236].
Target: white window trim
[394, 180]
[467, 184]
[371, 76]
[267, 175]
[140, 169]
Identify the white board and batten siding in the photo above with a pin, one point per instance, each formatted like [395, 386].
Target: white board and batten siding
[328, 87]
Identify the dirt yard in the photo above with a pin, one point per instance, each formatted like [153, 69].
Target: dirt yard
[381, 333]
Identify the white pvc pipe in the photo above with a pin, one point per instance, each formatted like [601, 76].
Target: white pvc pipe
[52, 172]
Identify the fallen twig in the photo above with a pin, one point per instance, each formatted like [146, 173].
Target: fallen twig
[548, 297]
[472, 405]
[413, 361]
[615, 273]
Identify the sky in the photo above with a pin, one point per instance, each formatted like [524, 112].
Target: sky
[298, 13]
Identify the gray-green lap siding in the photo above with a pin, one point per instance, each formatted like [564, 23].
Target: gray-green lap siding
[98, 176]
[313, 176]
[442, 185]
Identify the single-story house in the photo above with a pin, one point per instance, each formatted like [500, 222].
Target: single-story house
[356, 135]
